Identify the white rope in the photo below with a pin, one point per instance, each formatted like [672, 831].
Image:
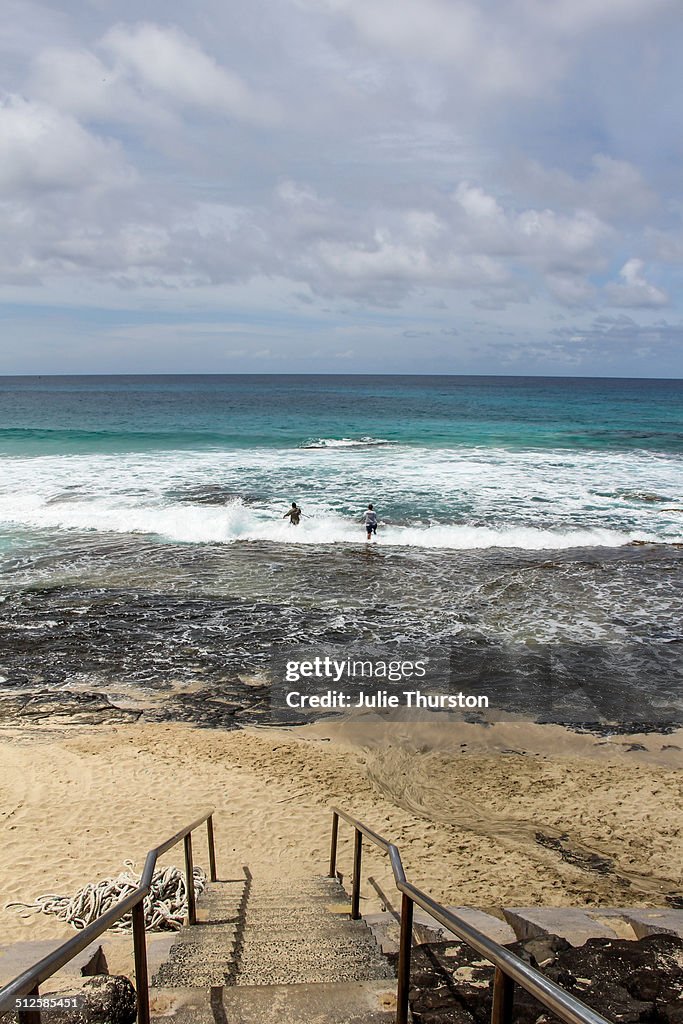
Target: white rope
[165, 905]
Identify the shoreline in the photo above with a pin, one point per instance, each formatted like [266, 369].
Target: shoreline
[509, 814]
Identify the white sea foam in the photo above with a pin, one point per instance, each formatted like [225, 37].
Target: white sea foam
[346, 442]
[427, 498]
[237, 522]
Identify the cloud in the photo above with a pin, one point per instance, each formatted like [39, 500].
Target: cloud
[144, 74]
[499, 48]
[375, 254]
[571, 289]
[79, 82]
[612, 189]
[619, 345]
[577, 16]
[44, 149]
[563, 249]
[487, 51]
[169, 62]
[634, 290]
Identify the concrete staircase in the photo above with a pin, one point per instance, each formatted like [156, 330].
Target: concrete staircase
[268, 951]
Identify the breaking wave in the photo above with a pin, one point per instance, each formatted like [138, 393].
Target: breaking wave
[237, 522]
[424, 498]
[346, 442]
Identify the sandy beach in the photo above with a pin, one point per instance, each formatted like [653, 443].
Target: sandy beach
[509, 814]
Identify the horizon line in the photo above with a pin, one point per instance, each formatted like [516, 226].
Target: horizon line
[310, 373]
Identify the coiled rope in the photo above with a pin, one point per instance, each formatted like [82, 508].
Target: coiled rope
[165, 905]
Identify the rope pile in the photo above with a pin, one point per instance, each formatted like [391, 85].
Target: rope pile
[165, 905]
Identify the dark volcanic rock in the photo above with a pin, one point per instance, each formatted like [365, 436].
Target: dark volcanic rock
[629, 981]
[102, 999]
[109, 999]
[625, 980]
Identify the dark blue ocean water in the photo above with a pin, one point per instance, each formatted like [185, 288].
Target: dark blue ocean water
[123, 413]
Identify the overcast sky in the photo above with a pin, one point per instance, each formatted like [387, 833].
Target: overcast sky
[342, 185]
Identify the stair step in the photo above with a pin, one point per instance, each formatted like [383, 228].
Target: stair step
[324, 887]
[202, 976]
[206, 935]
[302, 915]
[193, 968]
[285, 896]
[293, 933]
[270, 949]
[359, 1002]
[320, 972]
[291, 899]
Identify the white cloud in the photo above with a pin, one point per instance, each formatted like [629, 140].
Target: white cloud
[42, 148]
[78, 82]
[476, 203]
[168, 61]
[557, 244]
[634, 290]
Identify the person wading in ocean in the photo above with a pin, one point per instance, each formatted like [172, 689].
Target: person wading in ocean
[370, 520]
[294, 513]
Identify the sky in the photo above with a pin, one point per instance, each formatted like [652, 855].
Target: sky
[343, 186]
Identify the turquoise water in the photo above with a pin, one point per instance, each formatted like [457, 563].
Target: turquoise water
[152, 413]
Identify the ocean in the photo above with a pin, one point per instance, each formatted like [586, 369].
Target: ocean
[531, 530]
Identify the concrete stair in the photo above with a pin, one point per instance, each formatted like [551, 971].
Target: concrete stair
[265, 951]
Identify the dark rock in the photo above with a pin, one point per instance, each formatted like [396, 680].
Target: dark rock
[629, 981]
[638, 981]
[540, 950]
[102, 999]
[109, 999]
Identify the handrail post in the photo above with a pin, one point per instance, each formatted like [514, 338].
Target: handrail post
[212, 848]
[140, 953]
[503, 995]
[30, 1016]
[189, 880]
[333, 845]
[404, 951]
[357, 855]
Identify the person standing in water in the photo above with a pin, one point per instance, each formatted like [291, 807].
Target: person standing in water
[294, 513]
[370, 520]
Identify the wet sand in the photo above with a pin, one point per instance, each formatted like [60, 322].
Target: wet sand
[508, 814]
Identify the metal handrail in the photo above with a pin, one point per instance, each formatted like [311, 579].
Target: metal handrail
[510, 969]
[28, 983]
